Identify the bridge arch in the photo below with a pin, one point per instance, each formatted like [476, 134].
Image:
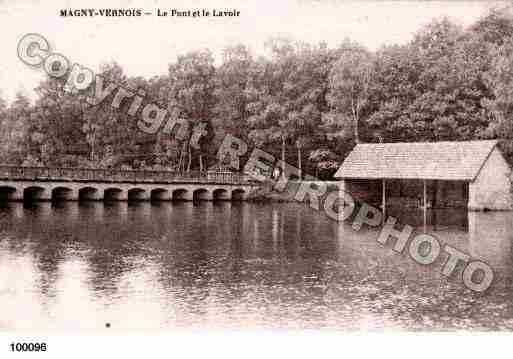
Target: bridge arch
[160, 194]
[238, 194]
[113, 194]
[62, 194]
[201, 194]
[221, 194]
[180, 194]
[34, 193]
[136, 194]
[7, 193]
[88, 194]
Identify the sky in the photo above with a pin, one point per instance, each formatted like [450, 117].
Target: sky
[144, 46]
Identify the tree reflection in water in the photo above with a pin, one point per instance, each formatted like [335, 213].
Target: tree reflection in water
[224, 264]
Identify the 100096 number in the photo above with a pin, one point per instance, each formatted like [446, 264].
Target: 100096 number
[28, 347]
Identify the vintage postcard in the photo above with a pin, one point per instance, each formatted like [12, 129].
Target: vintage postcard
[255, 166]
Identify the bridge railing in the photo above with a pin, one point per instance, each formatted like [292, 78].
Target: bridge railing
[115, 175]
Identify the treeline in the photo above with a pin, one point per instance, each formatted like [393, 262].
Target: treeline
[307, 104]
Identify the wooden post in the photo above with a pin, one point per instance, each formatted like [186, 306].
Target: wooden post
[384, 204]
[425, 206]
[299, 162]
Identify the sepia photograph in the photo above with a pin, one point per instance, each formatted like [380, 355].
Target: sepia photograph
[261, 167]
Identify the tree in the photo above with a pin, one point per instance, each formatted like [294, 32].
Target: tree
[306, 89]
[432, 88]
[230, 91]
[190, 92]
[266, 113]
[111, 133]
[15, 123]
[55, 128]
[287, 96]
[496, 26]
[500, 80]
[349, 84]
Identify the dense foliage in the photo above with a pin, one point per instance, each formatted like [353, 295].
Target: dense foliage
[307, 104]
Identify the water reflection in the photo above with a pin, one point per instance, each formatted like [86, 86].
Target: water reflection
[163, 265]
[490, 238]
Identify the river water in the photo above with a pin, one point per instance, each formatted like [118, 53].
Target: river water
[239, 265]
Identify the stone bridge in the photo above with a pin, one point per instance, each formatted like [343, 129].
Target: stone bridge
[83, 184]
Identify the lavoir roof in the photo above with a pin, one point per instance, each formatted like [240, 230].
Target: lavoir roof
[417, 160]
